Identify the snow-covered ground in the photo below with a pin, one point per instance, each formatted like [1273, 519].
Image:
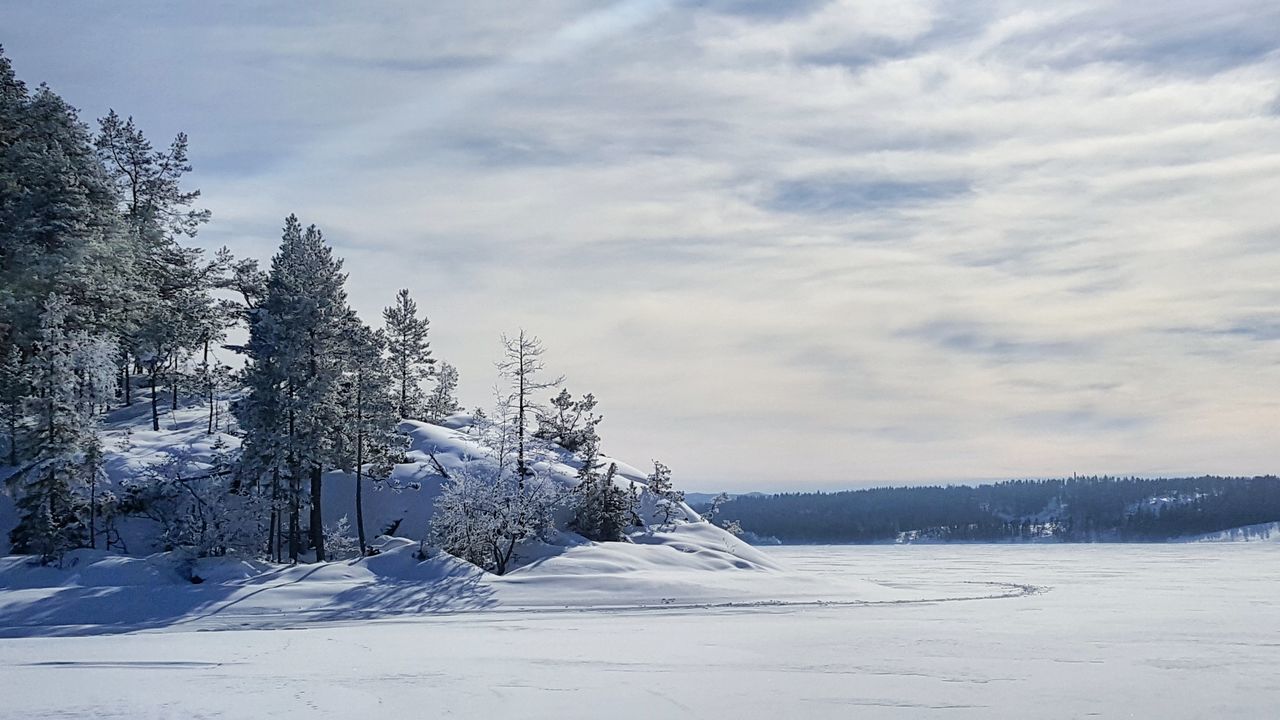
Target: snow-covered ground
[1060, 631]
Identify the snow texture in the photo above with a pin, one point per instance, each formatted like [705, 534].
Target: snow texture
[957, 632]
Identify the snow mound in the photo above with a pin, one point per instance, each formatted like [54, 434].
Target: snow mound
[694, 546]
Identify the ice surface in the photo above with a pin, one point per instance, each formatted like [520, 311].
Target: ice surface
[1145, 631]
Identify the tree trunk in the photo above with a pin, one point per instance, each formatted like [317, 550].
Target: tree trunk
[404, 389]
[359, 501]
[173, 385]
[155, 399]
[295, 483]
[128, 389]
[208, 381]
[273, 532]
[317, 522]
[295, 491]
[360, 463]
[93, 509]
[520, 470]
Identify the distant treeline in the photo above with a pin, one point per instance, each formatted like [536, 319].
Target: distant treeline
[1079, 509]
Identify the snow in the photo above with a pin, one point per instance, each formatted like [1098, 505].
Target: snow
[402, 505]
[1176, 631]
[683, 619]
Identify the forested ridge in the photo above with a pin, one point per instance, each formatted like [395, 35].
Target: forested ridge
[1077, 509]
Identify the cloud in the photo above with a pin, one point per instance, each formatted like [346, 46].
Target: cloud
[787, 245]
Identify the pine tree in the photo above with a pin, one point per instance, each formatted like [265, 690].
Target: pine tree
[604, 510]
[442, 401]
[296, 351]
[571, 424]
[49, 522]
[669, 500]
[14, 386]
[520, 367]
[59, 229]
[409, 349]
[170, 307]
[372, 421]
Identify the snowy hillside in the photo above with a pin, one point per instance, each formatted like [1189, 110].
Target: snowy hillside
[664, 563]
[405, 501]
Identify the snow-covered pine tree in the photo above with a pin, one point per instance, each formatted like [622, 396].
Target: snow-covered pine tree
[603, 511]
[14, 386]
[49, 521]
[442, 401]
[262, 415]
[409, 350]
[370, 426]
[668, 498]
[569, 423]
[296, 352]
[170, 307]
[520, 367]
[59, 229]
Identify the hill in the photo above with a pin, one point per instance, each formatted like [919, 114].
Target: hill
[1082, 509]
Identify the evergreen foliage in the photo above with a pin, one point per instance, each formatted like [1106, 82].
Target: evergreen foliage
[1078, 509]
[50, 514]
[297, 349]
[604, 511]
[667, 499]
[370, 441]
[442, 401]
[569, 423]
[410, 351]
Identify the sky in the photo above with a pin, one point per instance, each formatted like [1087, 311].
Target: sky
[788, 246]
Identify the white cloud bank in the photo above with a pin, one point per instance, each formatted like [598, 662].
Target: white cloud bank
[834, 245]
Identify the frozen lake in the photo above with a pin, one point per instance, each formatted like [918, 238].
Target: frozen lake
[1144, 631]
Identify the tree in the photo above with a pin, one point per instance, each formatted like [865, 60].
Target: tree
[410, 352]
[669, 500]
[442, 401]
[292, 415]
[372, 421]
[483, 514]
[604, 510]
[60, 232]
[171, 308]
[49, 522]
[520, 366]
[570, 423]
[14, 387]
[191, 503]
